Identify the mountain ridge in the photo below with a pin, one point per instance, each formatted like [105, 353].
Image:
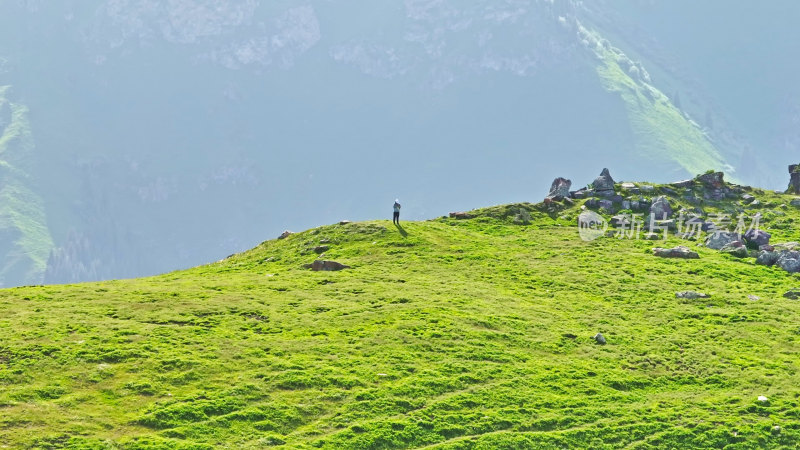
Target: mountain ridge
[465, 332]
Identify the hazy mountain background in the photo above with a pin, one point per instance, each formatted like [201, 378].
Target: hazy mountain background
[141, 136]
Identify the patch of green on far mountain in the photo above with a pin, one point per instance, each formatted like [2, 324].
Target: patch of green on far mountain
[25, 240]
[664, 135]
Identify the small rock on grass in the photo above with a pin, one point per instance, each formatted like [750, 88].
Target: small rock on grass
[792, 294]
[600, 339]
[736, 249]
[328, 266]
[676, 252]
[754, 297]
[691, 295]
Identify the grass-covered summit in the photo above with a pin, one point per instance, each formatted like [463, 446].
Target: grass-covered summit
[449, 333]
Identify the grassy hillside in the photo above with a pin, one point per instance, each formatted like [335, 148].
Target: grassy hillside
[447, 333]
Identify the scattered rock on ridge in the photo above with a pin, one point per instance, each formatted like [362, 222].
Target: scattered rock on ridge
[661, 209]
[285, 234]
[787, 246]
[718, 240]
[792, 294]
[794, 179]
[712, 180]
[757, 238]
[735, 248]
[767, 258]
[559, 189]
[789, 261]
[683, 183]
[321, 265]
[676, 252]
[603, 185]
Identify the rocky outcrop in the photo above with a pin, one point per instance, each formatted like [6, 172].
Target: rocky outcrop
[711, 180]
[661, 209]
[603, 185]
[559, 190]
[714, 187]
[794, 179]
[285, 234]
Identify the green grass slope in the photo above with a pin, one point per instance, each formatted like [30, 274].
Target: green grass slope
[25, 237]
[664, 136]
[450, 334]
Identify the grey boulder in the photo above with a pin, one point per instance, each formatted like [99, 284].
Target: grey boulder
[767, 258]
[757, 238]
[600, 339]
[792, 294]
[718, 240]
[661, 209]
[559, 189]
[736, 248]
[604, 182]
[789, 261]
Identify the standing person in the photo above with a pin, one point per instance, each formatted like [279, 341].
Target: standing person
[396, 218]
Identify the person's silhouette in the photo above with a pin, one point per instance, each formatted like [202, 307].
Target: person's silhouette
[396, 216]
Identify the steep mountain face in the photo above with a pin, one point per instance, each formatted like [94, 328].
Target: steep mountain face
[168, 134]
[24, 236]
